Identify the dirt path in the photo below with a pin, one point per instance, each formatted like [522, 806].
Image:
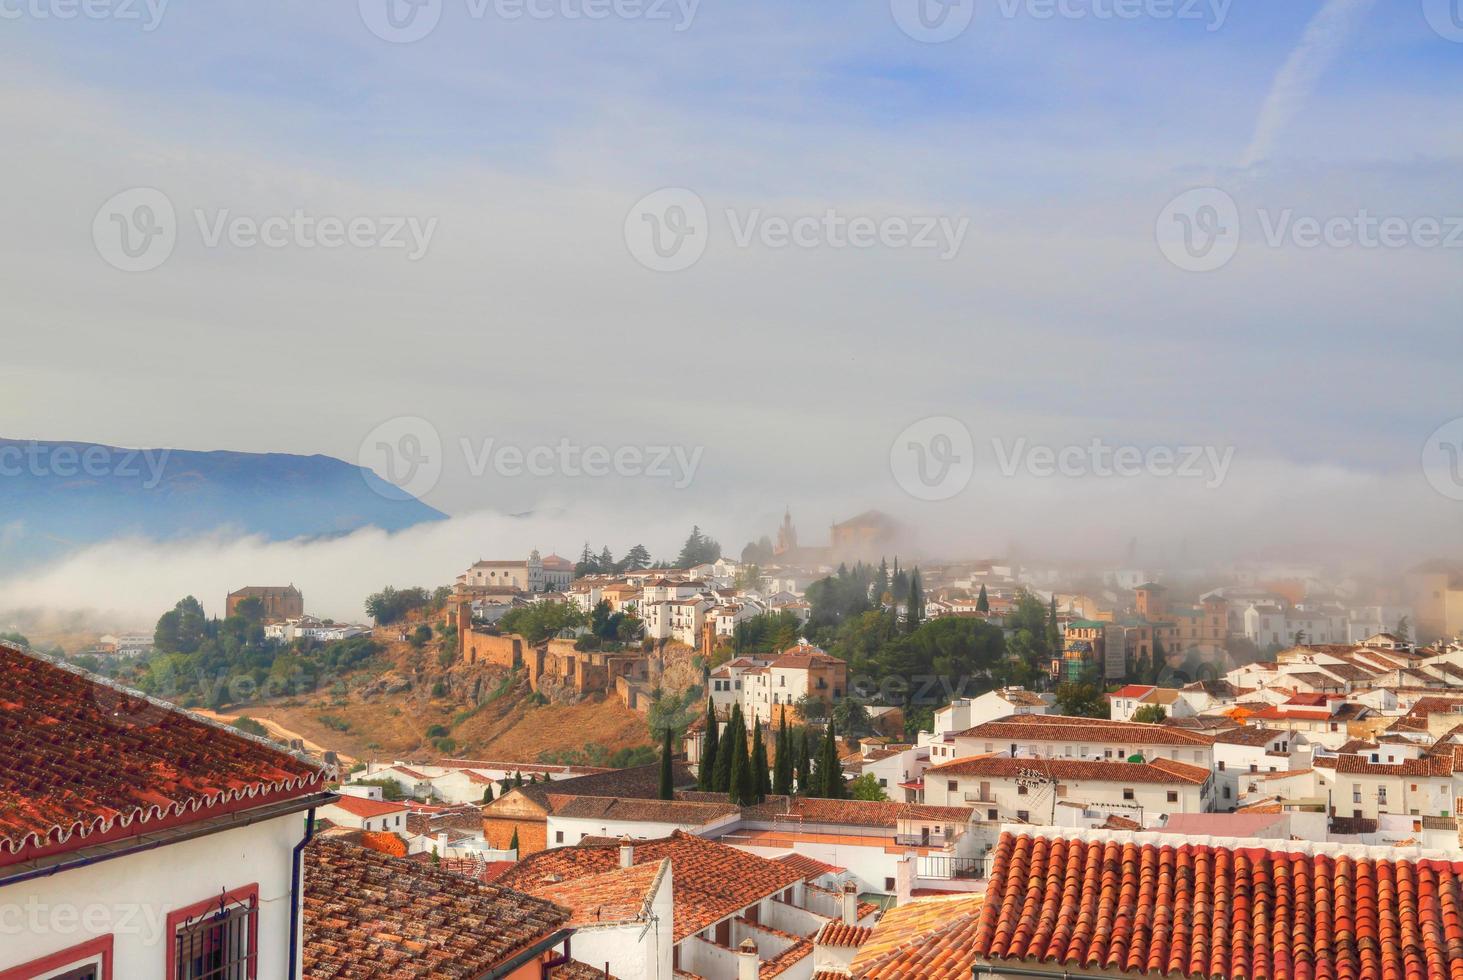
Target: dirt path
[276, 730]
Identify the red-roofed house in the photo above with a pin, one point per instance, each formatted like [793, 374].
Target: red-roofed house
[359, 813]
[174, 842]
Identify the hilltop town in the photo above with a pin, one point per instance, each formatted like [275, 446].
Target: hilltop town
[808, 762]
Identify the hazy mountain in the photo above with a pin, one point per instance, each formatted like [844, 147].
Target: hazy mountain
[56, 497]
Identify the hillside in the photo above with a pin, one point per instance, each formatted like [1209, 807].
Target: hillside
[406, 703]
[57, 497]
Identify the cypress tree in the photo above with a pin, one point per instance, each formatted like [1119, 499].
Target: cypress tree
[828, 771]
[705, 771]
[782, 770]
[760, 770]
[983, 604]
[667, 780]
[741, 781]
[721, 776]
[513, 844]
[915, 603]
[805, 762]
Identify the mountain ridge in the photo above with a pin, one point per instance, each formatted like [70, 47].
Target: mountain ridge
[57, 497]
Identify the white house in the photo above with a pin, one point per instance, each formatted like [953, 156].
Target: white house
[577, 818]
[1249, 751]
[356, 813]
[1029, 790]
[173, 842]
[1061, 736]
[801, 671]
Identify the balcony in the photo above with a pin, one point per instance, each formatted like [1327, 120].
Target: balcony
[922, 840]
[941, 866]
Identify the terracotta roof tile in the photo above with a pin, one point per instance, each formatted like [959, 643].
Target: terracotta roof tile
[1064, 728]
[85, 762]
[931, 939]
[809, 868]
[1135, 908]
[362, 807]
[710, 881]
[1157, 771]
[367, 915]
[621, 895]
[838, 934]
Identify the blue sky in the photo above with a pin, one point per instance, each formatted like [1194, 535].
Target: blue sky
[1059, 140]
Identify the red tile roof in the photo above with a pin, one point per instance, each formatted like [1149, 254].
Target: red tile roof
[621, 895]
[929, 940]
[1131, 907]
[1157, 771]
[838, 934]
[367, 915]
[362, 807]
[809, 868]
[710, 881]
[1063, 728]
[383, 842]
[86, 762]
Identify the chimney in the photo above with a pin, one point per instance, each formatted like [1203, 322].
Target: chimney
[850, 904]
[627, 853]
[442, 839]
[748, 966]
[904, 879]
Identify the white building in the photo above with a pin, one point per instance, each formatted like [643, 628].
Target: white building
[801, 671]
[1060, 736]
[357, 813]
[964, 713]
[1251, 751]
[165, 834]
[1030, 790]
[523, 575]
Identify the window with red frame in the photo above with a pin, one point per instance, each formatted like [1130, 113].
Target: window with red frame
[216, 940]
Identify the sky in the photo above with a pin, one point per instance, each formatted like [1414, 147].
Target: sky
[1028, 169]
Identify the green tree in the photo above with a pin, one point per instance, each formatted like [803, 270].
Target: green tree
[805, 761]
[983, 602]
[852, 716]
[1150, 714]
[635, 559]
[721, 782]
[742, 781]
[1082, 701]
[513, 844]
[783, 766]
[915, 604]
[488, 793]
[182, 629]
[542, 620]
[667, 776]
[706, 768]
[866, 787]
[828, 769]
[698, 550]
[761, 771]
